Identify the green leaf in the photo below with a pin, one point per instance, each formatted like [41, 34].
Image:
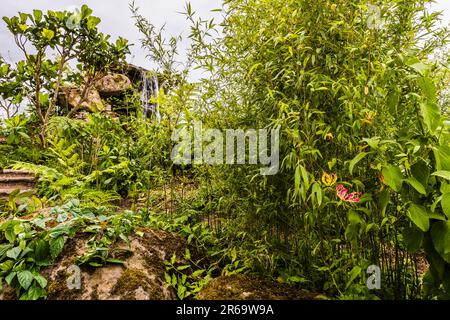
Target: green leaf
[85, 11]
[416, 185]
[198, 273]
[442, 156]
[117, 261]
[393, 177]
[445, 203]
[413, 238]
[93, 22]
[317, 191]
[419, 216]
[429, 88]
[420, 67]
[40, 280]
[56, 246]
[25, 278]
[431, 115]
[37, 15]
[184, 267]
[10, 277]
[168, 278]
[440, 235]
[14, 253]
[352, 276]
[421, 172]
[383, 201]
[442, 173]
[4, 248]
[357, 159]
[48, 34]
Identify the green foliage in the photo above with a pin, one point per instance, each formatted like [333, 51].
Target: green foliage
[73, 38]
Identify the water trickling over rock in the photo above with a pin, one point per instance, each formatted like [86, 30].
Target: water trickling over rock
[149, 89]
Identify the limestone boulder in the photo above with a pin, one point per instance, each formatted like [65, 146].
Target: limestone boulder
[93, 102]
[113, 85]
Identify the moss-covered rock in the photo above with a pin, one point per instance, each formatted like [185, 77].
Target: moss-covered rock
[242, 287]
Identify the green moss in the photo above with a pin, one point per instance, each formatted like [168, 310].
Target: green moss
[58, 290]
[130, 281]
[241, 287]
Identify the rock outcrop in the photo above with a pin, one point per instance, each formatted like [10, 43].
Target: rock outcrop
[12, 180]
[71, 97]
[113, 85]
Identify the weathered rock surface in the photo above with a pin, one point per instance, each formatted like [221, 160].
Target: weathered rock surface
[141, 277]
[113, 85]
[72, 97]
[242, 287]
[12, 180]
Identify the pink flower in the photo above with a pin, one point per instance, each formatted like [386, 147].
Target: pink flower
[351, 197]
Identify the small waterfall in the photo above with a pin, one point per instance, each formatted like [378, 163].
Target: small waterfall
[149, 90]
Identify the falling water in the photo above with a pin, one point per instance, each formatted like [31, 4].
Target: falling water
[150, 89]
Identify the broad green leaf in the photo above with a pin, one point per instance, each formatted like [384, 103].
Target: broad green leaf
[14, 253]
[37, 15]
[429, 88]
[413, 238]
[10, 277]
[445, 203]
[49, 34]
[440, 235]
[357, 159]
[25, 278]
[421, 172]
[420, 67]
[442, 157]
[416, 185]
[419, 216]
[431, 115]
[442, 174]
[56, 246]
[393, 177]
[4, 248]
[40, 280]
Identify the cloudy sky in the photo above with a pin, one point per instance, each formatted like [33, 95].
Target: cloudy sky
[116, 21]
[116, 18]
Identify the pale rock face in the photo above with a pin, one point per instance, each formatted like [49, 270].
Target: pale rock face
[113, 84]
[93, 102]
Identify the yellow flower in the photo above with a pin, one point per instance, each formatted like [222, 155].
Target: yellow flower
[329, 179]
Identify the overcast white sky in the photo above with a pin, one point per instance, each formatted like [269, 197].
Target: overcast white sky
[116, 20]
